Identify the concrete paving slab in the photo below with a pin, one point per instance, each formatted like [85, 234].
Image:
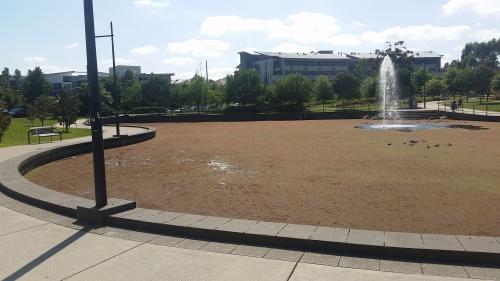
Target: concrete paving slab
[367, 237]
[284, 255]
[153, 216]
[140, 236]
[313, 272]
[483, 273]
[479, 244]
[297, 231]
[166, 240]
[321, 259]
[330, 234]
[250, 251]
[191, 244]
[237, 225]
[185, 220]
[54, 252]
[441, 242]
[444, 270]
[359, 263]
[12, 221]
[266, 228]
[216, 247]
[400, 267]
[403, 240]
[210, 222]
[153, 262]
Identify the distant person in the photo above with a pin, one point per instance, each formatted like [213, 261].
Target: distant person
[454, 105]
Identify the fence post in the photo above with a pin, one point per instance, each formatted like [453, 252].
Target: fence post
[473, 109]
[486, 110]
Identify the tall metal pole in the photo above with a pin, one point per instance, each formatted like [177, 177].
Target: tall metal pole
[425, 94]
[95, 107]
[206, 69]
[115, 93]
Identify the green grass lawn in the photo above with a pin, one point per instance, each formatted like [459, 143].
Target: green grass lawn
[17, 133]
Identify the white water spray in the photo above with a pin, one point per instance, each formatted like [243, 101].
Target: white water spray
[389, 90]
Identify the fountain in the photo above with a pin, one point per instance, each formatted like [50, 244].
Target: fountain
[389, 91]
[388, 86]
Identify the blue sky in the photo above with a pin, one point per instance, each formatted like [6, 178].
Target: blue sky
[177, 36]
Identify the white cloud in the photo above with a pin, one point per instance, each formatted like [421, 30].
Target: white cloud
[125, 61]
[484, 34]
[35, 59]
[358, 24]
[293, 48]
[199, 48]
[302, 27]
[179, 61]
[72, 45]
[416, 33]
[345, 39]
[152, 3]
[480, 7]
[220, 72]
[144, 50]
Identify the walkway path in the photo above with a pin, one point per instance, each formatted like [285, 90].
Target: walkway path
[36, 244]
[433, 105]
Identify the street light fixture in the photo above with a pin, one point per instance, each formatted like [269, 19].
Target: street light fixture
[115, 92]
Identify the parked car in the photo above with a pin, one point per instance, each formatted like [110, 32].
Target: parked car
[17, 112]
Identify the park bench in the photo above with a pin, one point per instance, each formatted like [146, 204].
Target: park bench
[43, 132]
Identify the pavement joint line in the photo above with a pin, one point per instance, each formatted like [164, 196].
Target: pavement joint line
[294, 267]
[20, 230]
[103, 261]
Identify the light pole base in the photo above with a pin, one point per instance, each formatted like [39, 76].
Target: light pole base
[97, 216]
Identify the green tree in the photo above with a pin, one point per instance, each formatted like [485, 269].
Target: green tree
[35, 85]
[435, 87]
[323, 90]
[131, 94]
[66, 109]
[294, 89]
[5, 120]
[155, 91]
[346, 86]
[369, 87]
[43, 107]
[215, 95]
[366, 68]
[244, 87]
[17, 80]
[482, 80]
[197, 92]
[495, 85]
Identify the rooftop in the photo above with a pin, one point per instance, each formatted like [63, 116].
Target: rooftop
[311, 55]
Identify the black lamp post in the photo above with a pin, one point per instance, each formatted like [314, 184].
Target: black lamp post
[95, 107]
[116, 99]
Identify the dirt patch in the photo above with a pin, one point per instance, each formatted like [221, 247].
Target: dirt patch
[307, 172]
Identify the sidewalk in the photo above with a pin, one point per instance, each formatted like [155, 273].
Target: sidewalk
[36, 244]
[433, 105]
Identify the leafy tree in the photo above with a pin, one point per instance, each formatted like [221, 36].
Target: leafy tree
[435, 87]
[178, 93]
[483, 53]
[43, 106]
[131, 94]
[367, 68]
[369, 87]
[17, 80]
[35, 85]
[155, 91]
[346, 86]
[243, 87]
[215, 94]
[5, 120]
[482, 80]
[67, 109]
[293, 89]
[495, 84]
[323, 89]
[197, 92]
